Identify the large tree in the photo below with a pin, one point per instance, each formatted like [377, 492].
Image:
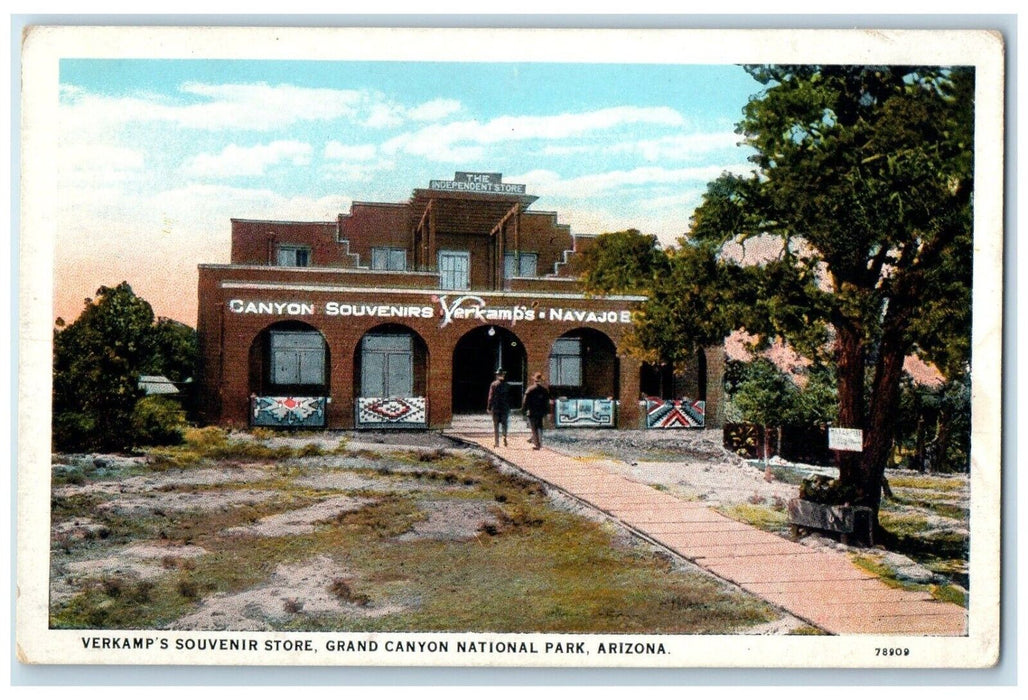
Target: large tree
[97, 363]
[851, 240]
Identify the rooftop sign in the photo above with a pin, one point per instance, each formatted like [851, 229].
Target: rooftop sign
[490, 183]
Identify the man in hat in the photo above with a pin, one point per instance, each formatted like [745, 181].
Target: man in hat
[536, 406]
[498, 404]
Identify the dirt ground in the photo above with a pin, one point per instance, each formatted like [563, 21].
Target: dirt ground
[694, 465]
[249, 498]
[691, 464]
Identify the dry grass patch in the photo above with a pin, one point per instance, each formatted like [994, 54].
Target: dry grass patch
[470, 548]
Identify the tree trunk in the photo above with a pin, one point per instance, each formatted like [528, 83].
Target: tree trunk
[919, 445]
[884, 409]
[850, 363]
[942, 435]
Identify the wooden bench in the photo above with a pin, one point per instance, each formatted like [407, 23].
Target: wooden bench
[847, 521]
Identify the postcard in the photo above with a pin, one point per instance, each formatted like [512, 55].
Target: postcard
[510, 347]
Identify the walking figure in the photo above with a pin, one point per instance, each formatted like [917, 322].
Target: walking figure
[498, 404]
[537, 407]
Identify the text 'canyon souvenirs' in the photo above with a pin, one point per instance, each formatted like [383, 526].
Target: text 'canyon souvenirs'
[465, 307]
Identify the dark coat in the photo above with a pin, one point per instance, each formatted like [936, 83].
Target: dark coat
[499, 397]
[537, 401]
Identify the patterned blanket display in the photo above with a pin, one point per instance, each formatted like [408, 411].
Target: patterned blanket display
[288, 411]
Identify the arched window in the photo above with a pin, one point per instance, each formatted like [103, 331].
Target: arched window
[289, 358]
[390, 360]
[297, 358]
[387, 364]
[584, 364]
[566, 362]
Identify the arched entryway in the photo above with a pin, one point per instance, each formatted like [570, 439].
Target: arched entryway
[657, 380]
[289, 358]
[289, 368]
[662, 381]
[390, 378]
[477, 357]
[390, 360]
[584, 364]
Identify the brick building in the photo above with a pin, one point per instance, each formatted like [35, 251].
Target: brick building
[398, 315]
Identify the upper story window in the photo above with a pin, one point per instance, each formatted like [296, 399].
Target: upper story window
[293, 256]
[454, 268]
[388, 259]
[520, 265]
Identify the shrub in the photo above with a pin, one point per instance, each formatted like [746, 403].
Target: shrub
[97, 362]
[113, 585]
[188, 589]
[205, 438]
[262, 433]
[827, 491]
[311, 449]
[72, 431]
[158, 420]
[341, 589]
[142, 591]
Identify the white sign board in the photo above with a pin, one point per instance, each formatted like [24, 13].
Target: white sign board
[847, 439]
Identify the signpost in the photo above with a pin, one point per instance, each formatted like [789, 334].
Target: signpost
[846, 439]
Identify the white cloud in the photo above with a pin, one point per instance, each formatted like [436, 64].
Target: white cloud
[255, 107]
[262, 106]
[334, 150]
[352, 172]
[382, 115]
[354, 162]
[199, 207]
[600, 184]
[569, 150]
[462, 140]
[679, 147]
[435, 110]
[242, 161]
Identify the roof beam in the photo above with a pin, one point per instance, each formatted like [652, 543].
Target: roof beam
[513, 211]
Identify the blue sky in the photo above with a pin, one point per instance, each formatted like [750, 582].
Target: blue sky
[157, 155]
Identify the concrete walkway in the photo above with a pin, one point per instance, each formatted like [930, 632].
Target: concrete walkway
[824, 588]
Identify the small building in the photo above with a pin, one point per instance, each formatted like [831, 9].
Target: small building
[398, 315]
[152, 384]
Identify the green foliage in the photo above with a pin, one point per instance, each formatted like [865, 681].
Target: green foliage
[864, 170]
[666, 330]
[623, 262]
[174, 351]
[765, 517]
[850, 242]
[73, 430]
[933, 428]
[97, 363]
[817, 402]
[830, 492]
[203, 445]
[158, 420]
[694, 304]
[765, 395]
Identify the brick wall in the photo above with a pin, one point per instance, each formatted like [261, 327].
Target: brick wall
[230, 355]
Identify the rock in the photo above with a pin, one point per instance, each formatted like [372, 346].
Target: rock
[907, 569]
